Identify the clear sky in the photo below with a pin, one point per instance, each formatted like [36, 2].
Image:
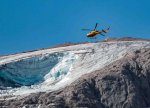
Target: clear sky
[33, 24]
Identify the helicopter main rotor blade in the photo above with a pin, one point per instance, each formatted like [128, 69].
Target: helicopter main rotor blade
[102, 34]
[86, 29]
[95, 26]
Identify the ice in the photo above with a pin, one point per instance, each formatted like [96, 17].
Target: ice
[51, 69]
[61, 69]
[31, 70]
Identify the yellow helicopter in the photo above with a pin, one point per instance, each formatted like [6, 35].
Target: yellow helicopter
[95, 32]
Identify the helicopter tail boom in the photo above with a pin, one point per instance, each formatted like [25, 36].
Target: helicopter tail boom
[105, 31]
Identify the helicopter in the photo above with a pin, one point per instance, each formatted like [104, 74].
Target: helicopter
[95, 32]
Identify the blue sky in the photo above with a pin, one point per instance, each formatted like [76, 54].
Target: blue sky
[33, 24]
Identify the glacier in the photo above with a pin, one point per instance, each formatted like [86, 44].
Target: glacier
[52, 69]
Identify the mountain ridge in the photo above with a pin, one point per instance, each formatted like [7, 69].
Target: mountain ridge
[121, 84]
[76, 43]
[99, 75]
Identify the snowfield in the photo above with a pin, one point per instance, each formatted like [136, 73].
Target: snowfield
[52, 69]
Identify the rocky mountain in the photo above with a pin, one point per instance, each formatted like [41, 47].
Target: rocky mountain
[93, 75]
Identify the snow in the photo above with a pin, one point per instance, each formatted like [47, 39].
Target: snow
[51, 69]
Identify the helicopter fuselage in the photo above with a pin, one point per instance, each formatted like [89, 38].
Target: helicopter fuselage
[93, 33]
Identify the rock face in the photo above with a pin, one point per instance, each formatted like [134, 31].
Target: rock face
[122, 84]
